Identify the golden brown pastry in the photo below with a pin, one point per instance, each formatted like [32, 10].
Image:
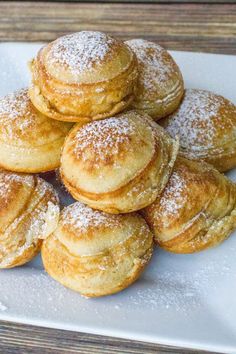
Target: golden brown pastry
[83, 76]
[95, 253]
[160, 83]
[29, 141]
[118, 165]
[206, 126]
[196, 210]
[29, 212]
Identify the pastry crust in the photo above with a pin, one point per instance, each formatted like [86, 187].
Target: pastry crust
[29, 212]
[29, 141]
[160, 84]
[118, 165]
[82, 77]
[95, 253]
[206, 126]
[196, 210]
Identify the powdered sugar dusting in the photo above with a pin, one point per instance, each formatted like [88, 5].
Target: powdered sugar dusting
[105, 138]
[155, 69]
[8, 179]
[197, 120]
[80, 51]
[172, 292]
[14, 105]
[178, 291]
[81, 217]
[16, 113]
[173, 198]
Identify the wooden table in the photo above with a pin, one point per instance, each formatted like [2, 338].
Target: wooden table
[204, 27]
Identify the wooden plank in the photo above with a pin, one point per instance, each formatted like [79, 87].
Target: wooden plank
[150, 1]
[196, 27]
[15, 338]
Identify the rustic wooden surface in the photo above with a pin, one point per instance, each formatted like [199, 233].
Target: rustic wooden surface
[18, 339]
[151, 1]
[185, 26]
[193, 27]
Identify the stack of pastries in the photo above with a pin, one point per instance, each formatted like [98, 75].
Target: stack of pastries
[141, 156]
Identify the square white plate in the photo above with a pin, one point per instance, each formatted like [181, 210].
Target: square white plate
[181, 300]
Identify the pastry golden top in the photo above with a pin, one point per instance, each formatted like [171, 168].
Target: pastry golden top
[87, 232]
[96, 253]
[188, 191]
[85, 57]
[205, 124]
[112, 151]
[15, 189]
[159, 75]
[194, 191]
[29, 212]
[23, 126]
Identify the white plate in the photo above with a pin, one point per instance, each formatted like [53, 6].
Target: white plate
[181, 300]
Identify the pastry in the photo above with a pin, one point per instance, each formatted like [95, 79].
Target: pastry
[160, 83]
[83, 76]
[196, 210]
[206, 126]
[29, 141]
[119, 164]
[29, 212]
[95, 253]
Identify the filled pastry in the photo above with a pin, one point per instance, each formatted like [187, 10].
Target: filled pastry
[206, 126]
[83, 76]
[29, 141]
[160, 83]
[119, 164]
[196, 210]
[29, 212]
[95, 253]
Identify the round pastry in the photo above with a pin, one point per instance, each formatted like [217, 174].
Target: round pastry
[118, 165]
[160, 83]
[196, 210]
[29, 212]
[206, 126]
[83, 76]
[95, 253]
[29, 141]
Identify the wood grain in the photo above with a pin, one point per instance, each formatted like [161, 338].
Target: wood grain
[150, 1]
[193, 27]
[20, 339]
[183, 26]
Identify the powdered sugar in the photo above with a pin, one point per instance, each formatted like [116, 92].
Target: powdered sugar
[105, 138]
[198, 119]
[172, 291]
[14, 104]
[8, 179]
[155, 68]
[16, 113]
[82, 50]
[173, 198]
[175, 291]
[81, 217]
